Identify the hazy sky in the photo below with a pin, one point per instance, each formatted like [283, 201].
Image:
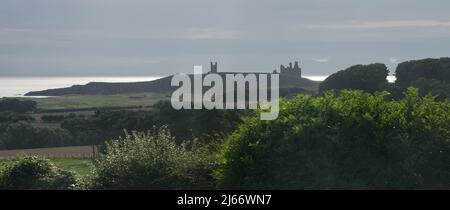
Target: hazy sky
[160, 37]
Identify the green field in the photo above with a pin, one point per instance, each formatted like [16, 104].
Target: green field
[81, 166]
[97, 101]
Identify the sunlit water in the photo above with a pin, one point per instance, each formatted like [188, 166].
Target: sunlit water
[18, 86]
[389, 78]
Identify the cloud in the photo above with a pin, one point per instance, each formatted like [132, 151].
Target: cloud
[207, 33]
[383, 24]
[320, 60]
[80, 60]
[13, 31]
[183, 33]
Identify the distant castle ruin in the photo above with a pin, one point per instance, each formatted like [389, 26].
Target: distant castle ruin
[294, 71]
[289, 77]
[213, 67]
[290, 71]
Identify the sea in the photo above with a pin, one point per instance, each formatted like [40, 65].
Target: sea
[19, 86]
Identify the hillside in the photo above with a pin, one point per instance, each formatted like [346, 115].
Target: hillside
[157, 86]
[102, 88]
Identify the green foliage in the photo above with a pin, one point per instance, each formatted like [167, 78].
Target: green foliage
[408, 72]
[150, 161]
[16, 105]
[10, 117]
[71, 102]
[203, 125]
[289, 92]
[369, 78]
[52, 118]
[352, 141]
[435, 87]
[428, 75]
[106, 125]
[22, 135]
[33, 173]
[81, 166]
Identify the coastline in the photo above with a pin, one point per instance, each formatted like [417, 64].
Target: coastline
[17, 86]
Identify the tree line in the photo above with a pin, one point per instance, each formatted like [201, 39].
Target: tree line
[428, 75]
[17, 131]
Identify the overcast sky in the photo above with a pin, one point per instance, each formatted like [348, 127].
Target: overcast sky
[161, 37]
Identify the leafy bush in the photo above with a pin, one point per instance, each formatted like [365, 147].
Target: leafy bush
[369, 78]
[150, 161]
[33, 173]
[352, 141]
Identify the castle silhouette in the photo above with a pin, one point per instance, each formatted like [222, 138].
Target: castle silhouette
[289, 71]
[290, 76]
[214, 67]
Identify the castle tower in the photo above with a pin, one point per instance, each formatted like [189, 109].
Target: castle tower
[291, 70]
[213, 67]
[296, 65]
[297, 68]
[282, 68]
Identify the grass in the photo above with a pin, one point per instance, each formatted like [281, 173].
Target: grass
[97, 101]
[81, 166]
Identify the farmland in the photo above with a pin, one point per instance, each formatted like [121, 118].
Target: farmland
[54, 152]
[81, 166]
[86, 105]
[77, 159]
[77, 102]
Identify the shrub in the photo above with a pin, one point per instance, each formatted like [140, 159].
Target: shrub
[34, 173]
[352, 141]
[150, 161]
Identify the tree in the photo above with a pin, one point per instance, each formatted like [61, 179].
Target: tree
[353, 140]
[435, 87]
[369, 78]
[16, 105]
[24, 136]
[410, 71]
